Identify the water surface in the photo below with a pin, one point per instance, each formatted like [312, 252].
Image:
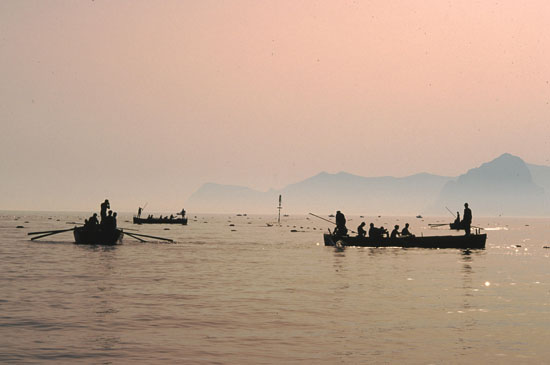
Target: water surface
[250, 293]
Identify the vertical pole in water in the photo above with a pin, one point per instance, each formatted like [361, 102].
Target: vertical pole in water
[279, 220]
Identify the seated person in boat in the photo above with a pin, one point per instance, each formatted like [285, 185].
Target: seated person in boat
[171, 216]
[456, 224]
[114, 220]
[377, 232]
[93, 220]
[373, 231]
[405, 231]
[361, 231]
[109, 223]
[395, 233]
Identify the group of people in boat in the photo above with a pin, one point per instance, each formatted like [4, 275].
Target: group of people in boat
[171, 217]
[380, 232]
[108, 218]
[373, 231]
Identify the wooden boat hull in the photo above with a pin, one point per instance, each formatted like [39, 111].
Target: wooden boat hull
[160, 221]
[84, 236]
[473, 241]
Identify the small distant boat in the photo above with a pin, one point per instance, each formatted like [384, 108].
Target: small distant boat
[419, 216]
[160, 220]
[97, 236]
[472, 241]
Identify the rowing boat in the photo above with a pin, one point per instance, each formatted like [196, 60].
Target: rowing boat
[160, 221]
[97, 236]
[473, 241]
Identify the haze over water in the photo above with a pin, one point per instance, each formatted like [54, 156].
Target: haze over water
[249, 293]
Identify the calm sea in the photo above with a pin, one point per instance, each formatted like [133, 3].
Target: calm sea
[253, 294]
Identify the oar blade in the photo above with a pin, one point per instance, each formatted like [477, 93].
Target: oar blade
[50, 234]
[155, 237]
[134, 237]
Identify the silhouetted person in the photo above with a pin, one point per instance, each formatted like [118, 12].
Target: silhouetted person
[383, 231]
[182, 213]
[341, 229]
[107, 222]
[405, 231]
[361, 231]
[140, 209]
[373, 231]
[395, 233]
[467, 219]
[113, 223]
[103, 212]
[93, 220]
[171, 216]
[456, 224]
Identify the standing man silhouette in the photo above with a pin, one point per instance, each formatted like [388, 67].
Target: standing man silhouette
[103, 212]
[467, 219]
[341, 229]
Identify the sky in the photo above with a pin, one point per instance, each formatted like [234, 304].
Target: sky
[145, 101]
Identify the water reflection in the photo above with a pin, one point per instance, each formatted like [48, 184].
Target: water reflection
[103, 308]
[469, 312]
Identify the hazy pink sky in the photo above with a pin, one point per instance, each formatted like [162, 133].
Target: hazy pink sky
[147, 100]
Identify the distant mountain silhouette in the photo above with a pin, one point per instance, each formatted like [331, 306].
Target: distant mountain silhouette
[363, 195]
[504, 186]
[541, 176]
[326, 192]
[216, 198]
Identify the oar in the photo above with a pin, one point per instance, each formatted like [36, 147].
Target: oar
[144, 235]
[50, 234]
[74, 223]
[137, 238]
[55, 231]
[128, 229]
[438, 224]
[315, 215]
